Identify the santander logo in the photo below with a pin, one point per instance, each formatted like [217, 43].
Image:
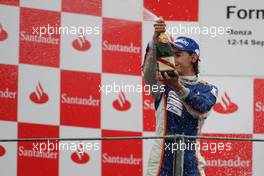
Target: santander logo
[81, 43]
[39, 96]
[2, 151]
[121, 103]
[225, 106]
[3, 33]
[80, 157]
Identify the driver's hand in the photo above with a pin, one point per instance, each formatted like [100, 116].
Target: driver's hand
[159, 27]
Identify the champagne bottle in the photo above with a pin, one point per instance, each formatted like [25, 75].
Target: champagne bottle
[165, 58]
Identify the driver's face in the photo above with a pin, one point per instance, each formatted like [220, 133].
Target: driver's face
[183, 61]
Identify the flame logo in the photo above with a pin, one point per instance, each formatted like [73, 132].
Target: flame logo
[121, 103]
[39, 96]
[3, 34]
[2, 151]
[80, 157]
[81, 43]
[225, 106]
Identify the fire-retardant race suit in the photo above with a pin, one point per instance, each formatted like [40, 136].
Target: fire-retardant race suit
[181, 112]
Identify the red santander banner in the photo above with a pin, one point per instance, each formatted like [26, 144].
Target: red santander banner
[258, 106]
[224, 158]
[8, 92]
[121, 46]
[122, 157]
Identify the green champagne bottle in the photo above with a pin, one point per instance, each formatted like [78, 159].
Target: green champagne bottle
[166, 62]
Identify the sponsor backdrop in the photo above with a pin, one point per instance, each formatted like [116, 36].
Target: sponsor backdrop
[69, 84]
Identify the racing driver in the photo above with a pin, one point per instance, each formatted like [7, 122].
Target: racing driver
[181, 105]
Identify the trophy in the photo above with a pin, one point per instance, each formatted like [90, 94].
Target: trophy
[165, 56]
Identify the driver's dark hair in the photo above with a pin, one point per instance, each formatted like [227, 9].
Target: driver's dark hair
[195, 64]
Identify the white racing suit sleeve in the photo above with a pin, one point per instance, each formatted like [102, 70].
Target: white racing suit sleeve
[149, 70]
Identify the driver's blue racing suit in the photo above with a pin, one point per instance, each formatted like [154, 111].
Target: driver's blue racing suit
[181, 115]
